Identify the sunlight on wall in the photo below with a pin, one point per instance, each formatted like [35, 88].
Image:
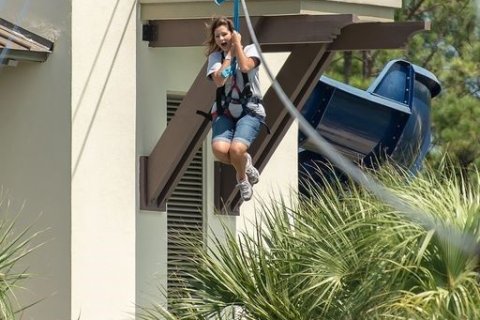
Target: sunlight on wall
[47, 30]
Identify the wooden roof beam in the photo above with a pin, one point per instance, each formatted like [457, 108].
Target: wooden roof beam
[377, 35]
[272, 31]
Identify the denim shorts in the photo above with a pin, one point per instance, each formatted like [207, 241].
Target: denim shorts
[245, 130]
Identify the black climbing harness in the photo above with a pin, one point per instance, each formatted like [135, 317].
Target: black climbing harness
[223, 100]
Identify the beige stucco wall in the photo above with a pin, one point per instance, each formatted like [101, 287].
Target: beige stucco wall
[103, 159]
[160, 70]
[35, 153]
[67, 135]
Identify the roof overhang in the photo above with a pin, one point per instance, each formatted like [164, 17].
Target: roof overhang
[282, 33]
[366, 10]
[311, 39]
[18, 44]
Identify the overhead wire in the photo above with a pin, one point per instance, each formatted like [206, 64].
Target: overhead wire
[463, 241]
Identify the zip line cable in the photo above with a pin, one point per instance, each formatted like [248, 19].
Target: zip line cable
[236, 26]
[236, 15]
[464, 241]
[236, 12]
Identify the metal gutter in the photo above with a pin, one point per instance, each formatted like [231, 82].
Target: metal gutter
[18, 44]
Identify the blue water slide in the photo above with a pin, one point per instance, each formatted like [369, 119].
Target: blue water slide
[391, 119]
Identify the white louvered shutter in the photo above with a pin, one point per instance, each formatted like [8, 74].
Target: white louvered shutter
[185, 209]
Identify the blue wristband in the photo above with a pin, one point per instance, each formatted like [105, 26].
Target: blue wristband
[227, 72]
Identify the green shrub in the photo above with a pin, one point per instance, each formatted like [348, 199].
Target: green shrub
[344, 254]
[14, 246]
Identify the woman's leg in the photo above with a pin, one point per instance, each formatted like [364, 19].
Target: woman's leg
[238, 152]
[221, 151]
[246, 130]
[222, 135]
[238, 158]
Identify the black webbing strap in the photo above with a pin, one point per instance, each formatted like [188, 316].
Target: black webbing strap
[223, 100]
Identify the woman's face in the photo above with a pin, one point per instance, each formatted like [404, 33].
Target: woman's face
[223, 37]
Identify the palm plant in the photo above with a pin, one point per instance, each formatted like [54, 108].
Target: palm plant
[343, 254]
[14, 246]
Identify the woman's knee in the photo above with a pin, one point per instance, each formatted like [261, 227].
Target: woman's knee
[221, 152]
[237, 150]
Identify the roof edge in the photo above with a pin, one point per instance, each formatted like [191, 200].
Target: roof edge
[27, 35]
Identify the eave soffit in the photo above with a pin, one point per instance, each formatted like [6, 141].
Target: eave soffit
[18, 44]
[367, 10]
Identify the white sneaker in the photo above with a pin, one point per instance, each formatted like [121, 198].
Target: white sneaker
[252, 172]
[245, 190]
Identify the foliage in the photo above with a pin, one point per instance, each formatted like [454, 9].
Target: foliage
[343, 254]
[14, 246]
[451, 51]
[457, 131]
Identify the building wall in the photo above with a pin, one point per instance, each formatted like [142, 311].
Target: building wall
[104, 159]
[35, 154]
[160, 71]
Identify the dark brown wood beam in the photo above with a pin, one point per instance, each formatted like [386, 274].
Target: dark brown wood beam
[377, 35]
[298, 77]
[177, 146]
[283, 33]
[275, 30]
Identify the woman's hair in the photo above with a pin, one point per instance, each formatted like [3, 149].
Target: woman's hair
[214, 24]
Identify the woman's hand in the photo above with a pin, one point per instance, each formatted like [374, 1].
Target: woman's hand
[236, 38]
[236, 43]
[231, 51]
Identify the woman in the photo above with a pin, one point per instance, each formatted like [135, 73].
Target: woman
[238, 111]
